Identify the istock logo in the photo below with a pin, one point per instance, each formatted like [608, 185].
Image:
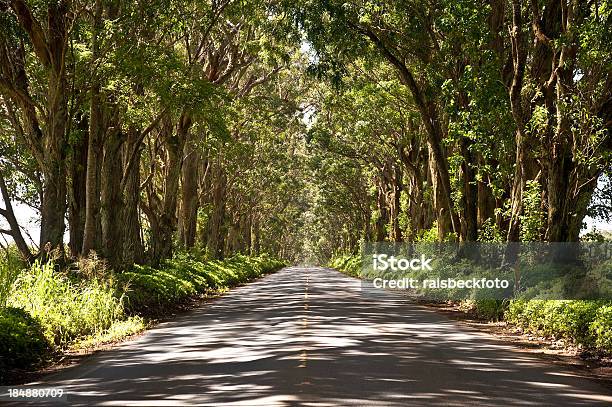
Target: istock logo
[385, 262]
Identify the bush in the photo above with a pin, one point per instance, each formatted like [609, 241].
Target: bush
[348, 264]
[21, 339]
[582, 322]
[485, 308]
[601, 328]
[150, 289]
[587, 323]
[85, 307]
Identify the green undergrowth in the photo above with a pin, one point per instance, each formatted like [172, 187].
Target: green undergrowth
[150, 289]
[347, 264]
[22, 342]
[46, 310]
[119, 330]
[66, 306]
[11, 266]
[585, 323]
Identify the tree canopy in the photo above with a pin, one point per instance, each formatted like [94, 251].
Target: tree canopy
[301, 128]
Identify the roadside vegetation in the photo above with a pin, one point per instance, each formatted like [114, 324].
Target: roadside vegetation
[46, 310]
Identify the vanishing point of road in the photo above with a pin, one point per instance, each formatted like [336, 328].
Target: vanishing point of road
[309, 336]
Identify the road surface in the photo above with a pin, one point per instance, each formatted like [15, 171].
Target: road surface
[308, 336]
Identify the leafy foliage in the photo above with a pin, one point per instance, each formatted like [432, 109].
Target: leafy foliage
[150, 289]
[22, 342]
[66, 309]
[585, 323]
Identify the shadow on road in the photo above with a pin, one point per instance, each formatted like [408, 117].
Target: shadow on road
[307, 336]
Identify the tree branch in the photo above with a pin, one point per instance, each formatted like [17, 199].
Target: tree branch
[9, 215]
[136, 148]
[34, 30]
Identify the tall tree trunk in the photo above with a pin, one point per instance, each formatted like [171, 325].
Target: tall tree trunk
[383, 216]
[367, 224]
[54, 174]
[486, 201]
[132, 244]
[205, 173]
[50, 47]
[396, 209]
[412, 160]
[428, 110]
[111, 203]
[519, 57]
[255, 237]
[174, 143]
[441, 210]
[215, 232]
[15, 231]
[92, 190]
[469, 213]
[76, 208]
[233, 237]
[245, 233]
[189, 193]
[561, 162]
[94, 146]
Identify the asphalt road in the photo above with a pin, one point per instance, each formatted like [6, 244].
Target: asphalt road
[308, 336]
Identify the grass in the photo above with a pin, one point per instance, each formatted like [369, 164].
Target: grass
[11, 265]
[66, 309]
[46, 311]
[584, 322]
[117, 331]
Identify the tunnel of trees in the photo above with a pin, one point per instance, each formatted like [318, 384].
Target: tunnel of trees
[134, 129]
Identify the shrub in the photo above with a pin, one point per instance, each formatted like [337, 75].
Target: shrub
[489, 232]
[85, 307]
[487, 308]
[348, 264]
[21, 339]
[150, 289]
[601, 328]
[583, 322]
